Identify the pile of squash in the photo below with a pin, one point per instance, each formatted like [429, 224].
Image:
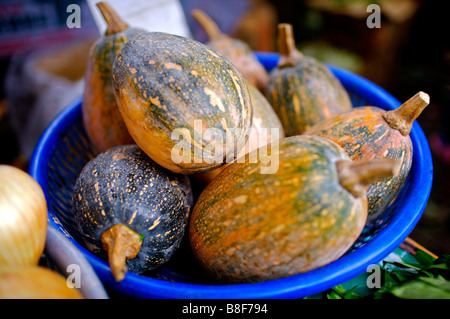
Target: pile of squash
[262, 207]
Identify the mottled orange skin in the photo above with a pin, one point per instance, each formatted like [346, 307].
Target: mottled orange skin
[101, 117]
[251, 227]
[165, 82]
[305, 94]
[241, 55]
[237, 51]
[364, 134]
[264, 118]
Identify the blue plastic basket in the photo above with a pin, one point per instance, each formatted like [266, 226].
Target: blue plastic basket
[64, 149]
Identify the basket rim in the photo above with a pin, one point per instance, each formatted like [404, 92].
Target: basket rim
[296, 286]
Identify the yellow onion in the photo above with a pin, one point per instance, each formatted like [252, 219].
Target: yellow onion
[34, 282]
[23, 218]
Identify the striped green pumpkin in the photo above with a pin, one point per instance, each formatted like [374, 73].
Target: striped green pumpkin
[102, 121]
[264, 120]
[248, 226]
[370, 132]
[237, 51]
[165, 82]
[301, 89]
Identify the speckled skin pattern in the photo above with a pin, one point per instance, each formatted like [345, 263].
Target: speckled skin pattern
[242, 56]
[236, 50]
[164, 82]
[264, 117]
[123, 185]
[364, 134]
[101, 117]
[305, 94]
[251, 227]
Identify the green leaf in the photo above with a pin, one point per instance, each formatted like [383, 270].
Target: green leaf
[439, 282]
[420, 276]
[439, 266]
[386, 288]
[400, 277]
[352, 295]
[444, 259]
[407, 267]
[339, 289]
[390, 278]
[334, 295]
[424, 259]
[418, 289]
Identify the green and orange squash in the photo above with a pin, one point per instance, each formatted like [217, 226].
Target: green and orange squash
[101, 117]
[301, 89]
[130, 211]
[170, 90]
[369, 132]
[237, 51]
[266, 128]
[249, 226]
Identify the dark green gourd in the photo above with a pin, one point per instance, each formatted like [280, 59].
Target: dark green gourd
[131, 211]
[168, 87]
[301, 89]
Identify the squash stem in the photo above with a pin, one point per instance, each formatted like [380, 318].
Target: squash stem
[356, 176]
[211, 28]
[289, 55]
[115, 23]
[121, 244]
[402, 118]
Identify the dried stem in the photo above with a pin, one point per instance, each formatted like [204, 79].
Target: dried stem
[115, 23]
[402, 118]
[289, 55]
[356, 176]
[211, 28]
[121, 244]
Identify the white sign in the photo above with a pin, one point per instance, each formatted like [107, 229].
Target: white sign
[151, 15]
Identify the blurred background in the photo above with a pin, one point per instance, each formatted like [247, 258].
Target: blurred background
[42, 63]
